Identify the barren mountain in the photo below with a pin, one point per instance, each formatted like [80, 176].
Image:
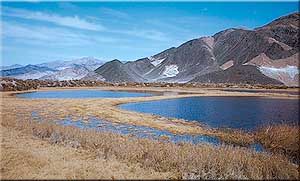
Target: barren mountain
[114, 71]
[265, 55]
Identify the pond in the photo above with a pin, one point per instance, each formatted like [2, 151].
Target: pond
[79, 94]
[245, 113]
[141, 131]
[138, 131]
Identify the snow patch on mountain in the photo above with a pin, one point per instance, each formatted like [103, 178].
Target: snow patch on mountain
[74, 73]
[62, 68]
[209, 41]
[155, 61]
[284, 46]
[292, 71]
[89, 62]
[31, 75]
[170, 71]
[55, 70]
[227, 65]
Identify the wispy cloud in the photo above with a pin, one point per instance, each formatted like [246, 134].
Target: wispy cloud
[68, 6]
[166, 25]
[68, 21]
[50, 36]
[150, 34]
[114, 13]
[84, 24]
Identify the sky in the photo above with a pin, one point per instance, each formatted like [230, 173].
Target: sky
[36, 32]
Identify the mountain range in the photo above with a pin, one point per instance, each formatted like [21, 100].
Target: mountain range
[265, 55]
[56, 70]
[10, 67]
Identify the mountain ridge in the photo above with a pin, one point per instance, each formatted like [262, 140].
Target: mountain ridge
[203, 59]
[265, 55]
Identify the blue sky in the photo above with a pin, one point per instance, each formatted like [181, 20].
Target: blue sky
[47, 31]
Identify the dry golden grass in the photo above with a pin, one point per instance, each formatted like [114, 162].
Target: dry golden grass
[182, 160]
[26, 157]
[234, 137]
[283, 139]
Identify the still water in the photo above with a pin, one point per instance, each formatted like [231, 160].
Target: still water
[245, 113]
[82, 94]
[141, 131]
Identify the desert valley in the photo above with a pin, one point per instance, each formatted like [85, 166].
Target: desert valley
[224, 106]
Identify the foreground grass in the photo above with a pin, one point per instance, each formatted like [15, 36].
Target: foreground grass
[182, 160]
[26, 157]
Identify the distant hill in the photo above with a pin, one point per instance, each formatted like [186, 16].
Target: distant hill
[27, 72]
[10, 67]
[56, 70]
[114, 71]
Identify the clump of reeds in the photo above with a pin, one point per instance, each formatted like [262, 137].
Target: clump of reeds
[282, 139]
[234, 136]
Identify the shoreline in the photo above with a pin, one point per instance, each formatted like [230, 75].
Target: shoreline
[110, 111]
[269, 93]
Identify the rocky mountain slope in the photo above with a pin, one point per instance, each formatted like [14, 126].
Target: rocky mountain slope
[114, 71]
[265, 55]
[74, 72]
